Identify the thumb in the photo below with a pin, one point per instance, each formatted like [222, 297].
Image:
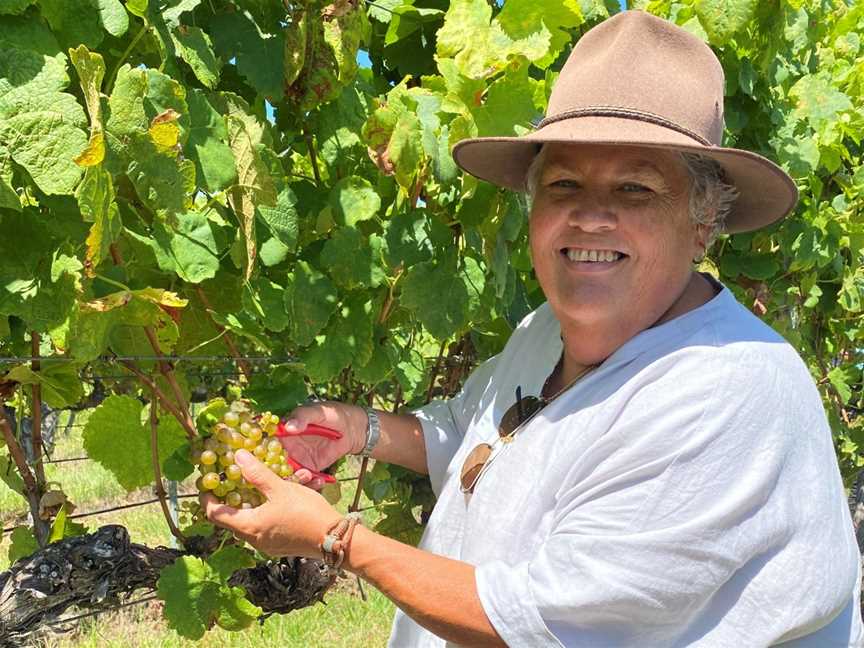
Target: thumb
[256, 473]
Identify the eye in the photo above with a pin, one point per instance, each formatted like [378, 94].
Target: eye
[635, 187]
[564, 183]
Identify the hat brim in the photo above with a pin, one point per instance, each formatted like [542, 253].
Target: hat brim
[766, 192]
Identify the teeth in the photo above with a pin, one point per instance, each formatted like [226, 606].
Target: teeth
[592, 255]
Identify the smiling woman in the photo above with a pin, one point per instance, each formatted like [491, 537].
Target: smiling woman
[665, 474]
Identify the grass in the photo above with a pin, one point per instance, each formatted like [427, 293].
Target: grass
[346, 620]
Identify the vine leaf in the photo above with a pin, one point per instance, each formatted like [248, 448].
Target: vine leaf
[347, 340]
[61, 384]
[310, 301]
[23, 543]
[208, 146]
[722, 19]
[353, 259]
[255, 185]
[197, 594]
[353, 200]
[189, 248]
[258, 55]
[117, 437]
[194, 46]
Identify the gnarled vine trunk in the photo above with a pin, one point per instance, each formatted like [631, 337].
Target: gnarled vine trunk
[98, 570]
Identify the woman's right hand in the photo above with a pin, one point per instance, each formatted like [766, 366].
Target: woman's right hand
[315, 452]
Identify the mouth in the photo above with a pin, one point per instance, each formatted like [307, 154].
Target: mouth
[593, 258]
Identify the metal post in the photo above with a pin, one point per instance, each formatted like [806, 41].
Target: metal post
[172, 508]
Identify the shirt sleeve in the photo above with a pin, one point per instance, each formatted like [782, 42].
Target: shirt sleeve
[687, 502]
[444, 422]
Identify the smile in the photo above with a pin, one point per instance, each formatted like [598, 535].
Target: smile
[582, 255]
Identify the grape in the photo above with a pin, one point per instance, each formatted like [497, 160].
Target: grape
[208, 457]
[239, 428]
[210, 481]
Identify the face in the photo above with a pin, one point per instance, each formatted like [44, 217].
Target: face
[611, 238]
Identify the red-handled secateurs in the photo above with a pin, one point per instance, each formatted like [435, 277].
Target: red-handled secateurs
[312, 429]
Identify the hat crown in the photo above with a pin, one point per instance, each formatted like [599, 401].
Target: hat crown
[639, 66]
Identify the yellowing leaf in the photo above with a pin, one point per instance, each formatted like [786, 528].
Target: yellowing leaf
[161, 297]
[165, 135]
[94, 152]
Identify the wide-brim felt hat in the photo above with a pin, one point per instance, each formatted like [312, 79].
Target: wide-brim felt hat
[638, 80]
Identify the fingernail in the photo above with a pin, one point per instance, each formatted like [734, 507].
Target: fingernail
[242, 458]
[282, 428]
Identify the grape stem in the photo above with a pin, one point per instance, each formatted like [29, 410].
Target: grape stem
[168, 373]
[157, 472]
[36, 405]
[434, 373]
[245, 367]
[31, 488]
[166, 403]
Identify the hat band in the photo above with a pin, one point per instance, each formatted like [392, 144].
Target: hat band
[624, 113]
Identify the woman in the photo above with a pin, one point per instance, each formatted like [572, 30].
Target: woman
[676, 484]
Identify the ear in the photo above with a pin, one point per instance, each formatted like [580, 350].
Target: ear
[700, 242]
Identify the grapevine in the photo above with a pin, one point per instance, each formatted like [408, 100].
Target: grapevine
[270, 184]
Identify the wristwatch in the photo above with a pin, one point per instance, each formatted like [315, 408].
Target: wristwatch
[373, 432]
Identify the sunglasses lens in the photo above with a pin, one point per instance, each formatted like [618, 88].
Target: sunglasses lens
[474, 463]
[518, 413]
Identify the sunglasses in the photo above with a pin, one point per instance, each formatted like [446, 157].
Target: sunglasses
[482, 456]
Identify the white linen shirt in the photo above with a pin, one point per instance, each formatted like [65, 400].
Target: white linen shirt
[684, 493]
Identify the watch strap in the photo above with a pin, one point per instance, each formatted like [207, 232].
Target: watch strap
[373, 432]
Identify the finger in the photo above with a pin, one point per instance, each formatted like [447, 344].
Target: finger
[256, 473]
[316, 483]
[303, 475]
[224, 515]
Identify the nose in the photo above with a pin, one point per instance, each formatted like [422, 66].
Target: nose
[592, 214]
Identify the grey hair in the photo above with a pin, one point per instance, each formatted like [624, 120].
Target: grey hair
[711, 198]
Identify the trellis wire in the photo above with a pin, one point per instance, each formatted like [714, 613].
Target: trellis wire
[111, 509]
[149, 358]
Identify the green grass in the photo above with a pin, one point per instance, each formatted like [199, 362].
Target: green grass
[346, 620]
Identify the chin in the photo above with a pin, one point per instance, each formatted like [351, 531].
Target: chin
[586, 307]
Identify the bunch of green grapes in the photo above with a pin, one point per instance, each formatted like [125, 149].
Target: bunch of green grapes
[240, 428]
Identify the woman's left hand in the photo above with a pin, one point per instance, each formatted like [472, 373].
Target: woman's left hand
[292, 522]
